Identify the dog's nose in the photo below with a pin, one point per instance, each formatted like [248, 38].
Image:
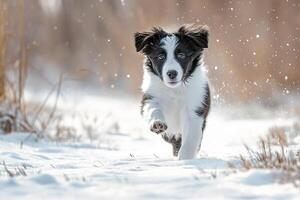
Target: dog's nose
[172, 74]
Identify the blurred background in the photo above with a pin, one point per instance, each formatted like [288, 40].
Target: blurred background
[253, 53]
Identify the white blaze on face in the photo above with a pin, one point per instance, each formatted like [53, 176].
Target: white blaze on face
[170, 44]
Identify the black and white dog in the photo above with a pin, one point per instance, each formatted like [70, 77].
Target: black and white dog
[176, 98]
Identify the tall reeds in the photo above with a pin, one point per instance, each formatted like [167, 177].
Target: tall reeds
[3, 14]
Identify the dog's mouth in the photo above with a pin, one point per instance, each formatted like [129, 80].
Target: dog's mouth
[173, 82]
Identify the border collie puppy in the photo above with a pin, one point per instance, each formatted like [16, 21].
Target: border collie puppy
[176, 97]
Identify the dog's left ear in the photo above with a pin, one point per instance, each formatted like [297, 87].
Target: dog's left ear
[197, 34]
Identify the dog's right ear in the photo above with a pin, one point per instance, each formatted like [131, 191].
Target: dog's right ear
[141, 39]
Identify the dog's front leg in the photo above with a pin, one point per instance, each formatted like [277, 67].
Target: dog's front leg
[191, 137]
[152, 113]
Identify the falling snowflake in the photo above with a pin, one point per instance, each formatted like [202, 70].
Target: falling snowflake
[123, 2]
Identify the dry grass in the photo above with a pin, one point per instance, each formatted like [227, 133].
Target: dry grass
[13, 116]
[3, 13]
[63, 132]
[18, 171]
[14, 113]
[274, 153]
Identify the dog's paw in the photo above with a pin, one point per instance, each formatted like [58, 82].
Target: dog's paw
[158, 126]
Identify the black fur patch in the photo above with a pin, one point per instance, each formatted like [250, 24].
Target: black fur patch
[195, 64]
[176, 143]
[154, 65]
[203, 110]
[150, 44]
[146, 97]
[149, 67]
[197, 36]
[191, 42]
[145, 41]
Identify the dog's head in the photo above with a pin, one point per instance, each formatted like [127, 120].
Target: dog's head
[172, 56]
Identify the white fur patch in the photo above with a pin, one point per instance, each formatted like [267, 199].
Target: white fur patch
[170, 44]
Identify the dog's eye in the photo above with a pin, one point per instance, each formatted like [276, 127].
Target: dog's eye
[181, 55]
[161, 57]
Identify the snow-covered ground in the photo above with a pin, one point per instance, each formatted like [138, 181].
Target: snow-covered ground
[125, 161]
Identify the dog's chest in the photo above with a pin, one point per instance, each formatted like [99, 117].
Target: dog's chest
[178, 105]
[174, 108]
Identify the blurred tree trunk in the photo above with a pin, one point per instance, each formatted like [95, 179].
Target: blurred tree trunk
[2, 49]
